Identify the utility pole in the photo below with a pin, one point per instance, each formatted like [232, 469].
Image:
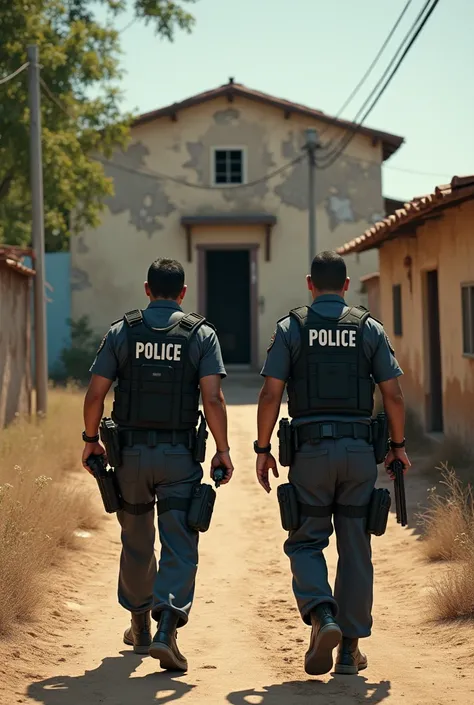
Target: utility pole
[312, 144]
[37, 231]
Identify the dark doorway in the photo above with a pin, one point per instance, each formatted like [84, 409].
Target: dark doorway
[435, 398]
[228, 302]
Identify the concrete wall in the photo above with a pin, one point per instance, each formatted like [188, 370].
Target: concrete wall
[142, 220]
[15, 378]
[445, 244]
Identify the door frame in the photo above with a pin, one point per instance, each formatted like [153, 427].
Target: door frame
[252, 249]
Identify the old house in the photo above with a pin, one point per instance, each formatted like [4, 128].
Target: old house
[193, 185]
[426, 252]
[15, 351]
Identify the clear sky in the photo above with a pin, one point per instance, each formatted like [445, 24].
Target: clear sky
[314, 52]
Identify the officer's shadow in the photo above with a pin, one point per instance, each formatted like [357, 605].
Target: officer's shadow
[343, 690]
[111, 683]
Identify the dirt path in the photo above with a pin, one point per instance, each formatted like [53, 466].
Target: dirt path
[245, 642]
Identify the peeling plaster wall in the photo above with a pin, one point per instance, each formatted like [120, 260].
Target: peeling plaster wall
[142, 220]
[446, 245]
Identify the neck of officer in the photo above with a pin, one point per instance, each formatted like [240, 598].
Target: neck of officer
[163, 298]
[316, 293]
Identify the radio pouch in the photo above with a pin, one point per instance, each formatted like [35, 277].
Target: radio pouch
[289, 509]
[379, 508]
[201, 507]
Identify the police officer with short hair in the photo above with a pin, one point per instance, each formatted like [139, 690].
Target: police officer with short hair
[331, 356]
[162, 360]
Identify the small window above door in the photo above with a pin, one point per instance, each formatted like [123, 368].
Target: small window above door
[228, 166]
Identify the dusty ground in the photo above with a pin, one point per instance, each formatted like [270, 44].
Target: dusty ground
[245, 642]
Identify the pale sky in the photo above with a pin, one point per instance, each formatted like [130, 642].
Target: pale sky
[314, 52]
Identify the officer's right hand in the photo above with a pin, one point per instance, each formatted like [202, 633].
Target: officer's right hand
[396, 454]
[265, 463]
[222, 459]
[91, 449]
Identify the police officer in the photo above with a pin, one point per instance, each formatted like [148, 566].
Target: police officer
[162, 359]
[330, 355]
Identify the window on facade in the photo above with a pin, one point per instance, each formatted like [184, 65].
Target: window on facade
[467, 303]
[397, 309]
[228, 166]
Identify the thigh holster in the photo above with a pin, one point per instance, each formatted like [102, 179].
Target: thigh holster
[199, 507]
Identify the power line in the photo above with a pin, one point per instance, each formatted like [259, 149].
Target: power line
[352, 131]
[369, 70]
[414, 171]
[157, 176]
[55, 100]
[14, 74]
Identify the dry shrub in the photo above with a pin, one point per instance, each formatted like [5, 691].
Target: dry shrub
[453, 596]
[41, 504]
[448, 521]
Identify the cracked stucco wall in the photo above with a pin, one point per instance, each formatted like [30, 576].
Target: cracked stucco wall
[141, 220]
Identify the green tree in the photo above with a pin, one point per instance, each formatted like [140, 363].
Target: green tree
[80, 58]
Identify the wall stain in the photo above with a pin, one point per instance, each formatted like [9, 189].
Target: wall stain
[82, 248]
[80, 279]
[145, 198]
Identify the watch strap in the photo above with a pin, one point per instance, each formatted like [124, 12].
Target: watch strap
[393, 444]
[90, 439]
[260, 450]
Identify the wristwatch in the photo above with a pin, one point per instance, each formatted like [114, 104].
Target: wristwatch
[393, 444]
[90, 439]
[260, 450]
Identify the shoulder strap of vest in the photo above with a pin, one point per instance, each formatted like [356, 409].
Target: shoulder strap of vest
[300, 314]
[357, 315]
[190, 323]
[133, 318]
[119, 320]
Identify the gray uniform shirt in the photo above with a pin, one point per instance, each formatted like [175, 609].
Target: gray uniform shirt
[204, 350]
[285, 347]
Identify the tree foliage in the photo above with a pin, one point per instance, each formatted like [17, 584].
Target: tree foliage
[81, 115]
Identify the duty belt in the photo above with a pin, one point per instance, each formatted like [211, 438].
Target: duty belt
[318, 431]
[151, 438]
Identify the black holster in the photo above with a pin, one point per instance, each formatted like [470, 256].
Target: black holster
[286, 448]
[380, 437]
[379, 508]
[109, 436]
[289, 508]
[201, 507]
[199, 452]
[107, 482]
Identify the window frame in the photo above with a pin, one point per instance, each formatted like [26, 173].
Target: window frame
[397, 331]
[469, 285]
[228, 148]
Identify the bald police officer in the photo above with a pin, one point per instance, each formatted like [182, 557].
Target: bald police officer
[162, 359]
[330, 355]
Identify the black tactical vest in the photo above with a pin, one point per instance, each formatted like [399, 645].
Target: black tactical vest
[158, 387]
[332, 374]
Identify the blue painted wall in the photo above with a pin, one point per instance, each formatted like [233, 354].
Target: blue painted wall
[58, 305]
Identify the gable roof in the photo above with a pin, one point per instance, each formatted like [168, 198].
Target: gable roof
[461, 188]
[232, 90]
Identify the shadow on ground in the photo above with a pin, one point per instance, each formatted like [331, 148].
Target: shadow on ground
[340, 690]
[111, 682]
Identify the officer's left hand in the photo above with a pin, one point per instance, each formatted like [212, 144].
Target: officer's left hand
[265, 463]
[222, 459]
[91, 449]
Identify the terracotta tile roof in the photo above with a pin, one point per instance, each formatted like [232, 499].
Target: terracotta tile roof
[231, 90]
[461, 188]
[12, 257]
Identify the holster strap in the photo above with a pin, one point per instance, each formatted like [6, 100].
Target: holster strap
[319, 431]
[352, 511]
[179, 503]
[151, 438]
[137, 509]
[308, 510]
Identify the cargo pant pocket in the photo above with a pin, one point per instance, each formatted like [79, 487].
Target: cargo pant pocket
[129, 471]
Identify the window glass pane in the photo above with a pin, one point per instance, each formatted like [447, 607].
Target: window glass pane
[228, 166]
[466, 334]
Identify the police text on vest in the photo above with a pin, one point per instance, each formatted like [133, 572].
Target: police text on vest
[158, 351]
[333, 338]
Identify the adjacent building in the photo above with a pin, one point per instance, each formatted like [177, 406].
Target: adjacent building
[426, 253]
[193, 185]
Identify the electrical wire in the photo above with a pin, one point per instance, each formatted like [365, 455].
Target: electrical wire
[14, 74]
[417, 173]
[353, 130]
[368, 71]
[55, 100]
[157, 176]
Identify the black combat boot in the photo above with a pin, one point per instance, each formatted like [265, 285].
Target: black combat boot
[164, 646]
[350, 660]
[325, 636]
[138, 634]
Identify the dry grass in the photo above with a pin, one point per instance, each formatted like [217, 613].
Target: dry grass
[448, 522]
[453, 596]
[41, 503]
